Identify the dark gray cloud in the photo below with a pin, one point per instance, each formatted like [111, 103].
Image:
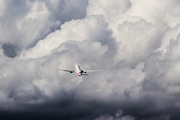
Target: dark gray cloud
[9, 50]
[135, 43]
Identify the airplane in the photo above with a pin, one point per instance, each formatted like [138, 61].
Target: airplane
[78, 70]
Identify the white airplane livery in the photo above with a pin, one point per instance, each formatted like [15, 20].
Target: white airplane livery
[79, 71]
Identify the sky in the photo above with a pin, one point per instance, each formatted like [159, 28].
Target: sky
[135, 43]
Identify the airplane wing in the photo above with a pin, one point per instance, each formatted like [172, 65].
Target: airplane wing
[87, 71]
[71, 71]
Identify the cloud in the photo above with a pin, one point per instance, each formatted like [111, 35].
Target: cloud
[118, 116]
[135, 43]
[24, 23]
[80, 30]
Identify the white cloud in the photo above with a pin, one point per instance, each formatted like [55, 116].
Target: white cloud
[90, 29]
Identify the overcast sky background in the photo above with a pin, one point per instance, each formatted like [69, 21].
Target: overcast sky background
[136, 43]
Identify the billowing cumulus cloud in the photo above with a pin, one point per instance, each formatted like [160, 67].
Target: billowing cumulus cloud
[135, 43]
